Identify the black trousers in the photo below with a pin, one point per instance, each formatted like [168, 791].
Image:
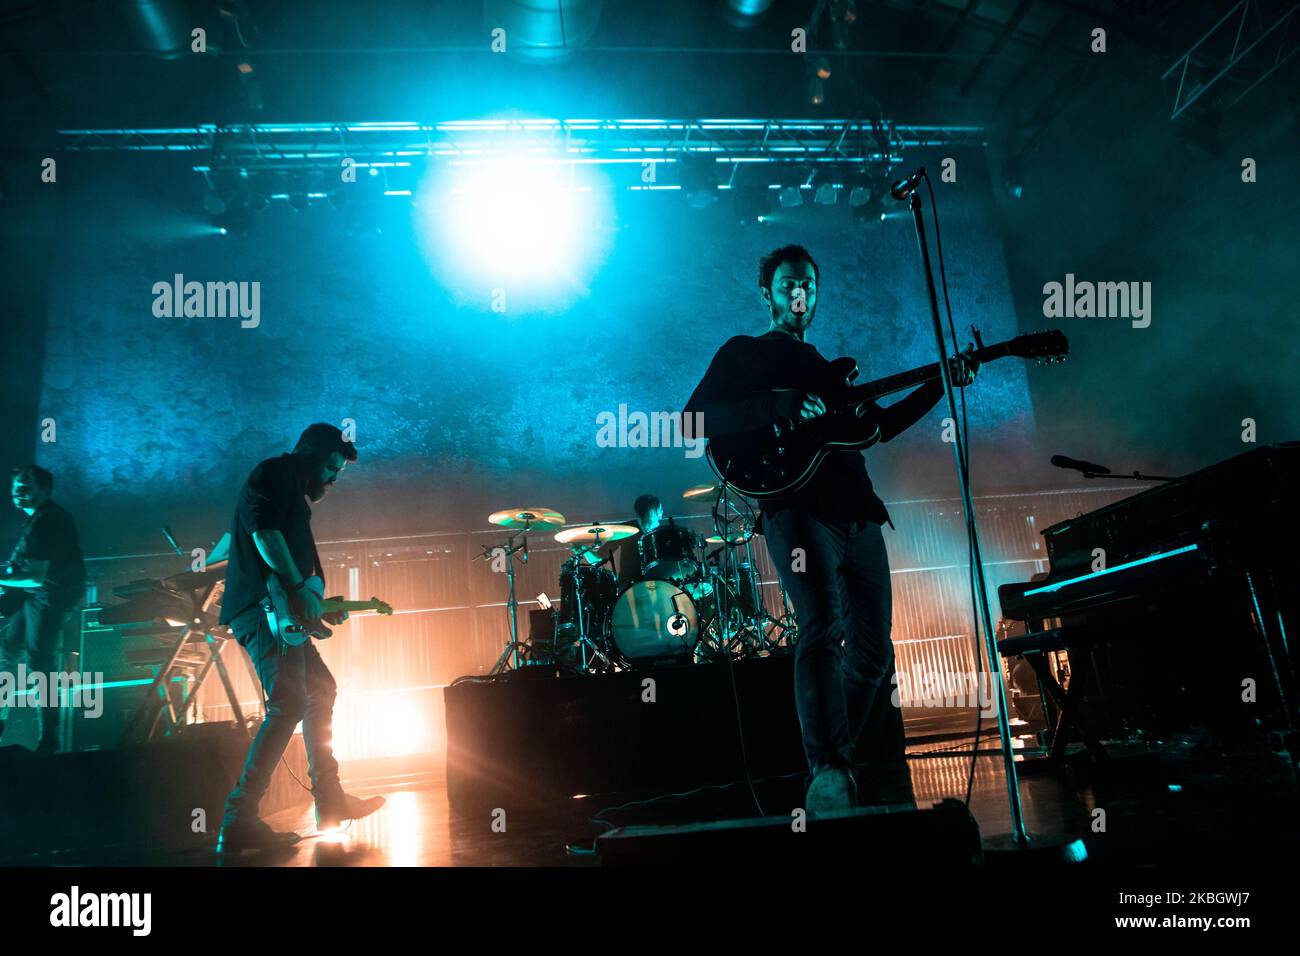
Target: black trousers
[299, 688]
[837, 577]
[33, 631]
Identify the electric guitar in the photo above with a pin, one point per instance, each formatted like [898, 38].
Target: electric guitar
[783, 457]
[291, 629]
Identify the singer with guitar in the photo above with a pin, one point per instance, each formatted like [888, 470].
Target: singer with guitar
[272, 551]
[841, 589]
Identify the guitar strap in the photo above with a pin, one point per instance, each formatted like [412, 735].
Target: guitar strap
[315, 556]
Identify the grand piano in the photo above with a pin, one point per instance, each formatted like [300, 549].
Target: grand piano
[1201, 569]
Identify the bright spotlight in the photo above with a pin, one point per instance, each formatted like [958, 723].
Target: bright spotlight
[519, 220]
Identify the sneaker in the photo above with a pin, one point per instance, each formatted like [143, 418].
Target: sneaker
[832, 791]
[333, 812]
[252, 834]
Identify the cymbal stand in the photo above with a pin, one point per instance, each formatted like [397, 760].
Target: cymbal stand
[757, 621]
[512, 648]
[587, 646]
[786, 624]
[725, 515]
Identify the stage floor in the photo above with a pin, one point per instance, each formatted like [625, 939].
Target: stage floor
[1177, 804]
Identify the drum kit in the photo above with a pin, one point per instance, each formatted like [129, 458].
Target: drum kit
[684, 597]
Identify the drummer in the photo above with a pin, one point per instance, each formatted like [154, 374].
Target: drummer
[649, 516]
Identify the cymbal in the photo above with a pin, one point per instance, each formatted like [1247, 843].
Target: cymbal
[735, 538]
[700, 491]
[596, 533]
[530, 518]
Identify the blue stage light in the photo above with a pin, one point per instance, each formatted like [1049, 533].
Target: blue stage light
[518, 220]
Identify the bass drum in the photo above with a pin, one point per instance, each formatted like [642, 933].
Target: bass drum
[654, 622]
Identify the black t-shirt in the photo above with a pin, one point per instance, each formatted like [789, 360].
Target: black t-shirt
[627, 559]
[273, 498]
[51, 535]
[736, 394]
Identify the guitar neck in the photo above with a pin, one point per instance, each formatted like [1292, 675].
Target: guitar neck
[918, 376]
[338, 605]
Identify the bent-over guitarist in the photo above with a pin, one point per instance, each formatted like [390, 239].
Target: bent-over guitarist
[270, 534]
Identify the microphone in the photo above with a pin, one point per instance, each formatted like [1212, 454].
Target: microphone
[1060, 461]
[167, 533]
[904, 188]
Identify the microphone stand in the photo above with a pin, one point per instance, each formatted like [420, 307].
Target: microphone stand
[1018, 833]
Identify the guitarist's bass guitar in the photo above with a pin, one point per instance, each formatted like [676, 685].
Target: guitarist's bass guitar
[782, 458]
[292, 629]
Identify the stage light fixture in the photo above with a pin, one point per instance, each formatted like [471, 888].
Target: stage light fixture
[872, 210]
[234, 220]
[826, 193]
[698, 176]
[792, 179]
[816, 90]
[867, 195]
[744, 13]
[1013, 179]
[223, 191]
[867, 202]
[751, 199]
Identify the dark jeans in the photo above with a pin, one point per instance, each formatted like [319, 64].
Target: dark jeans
[298, 688]
[843, 603]
[34, 630]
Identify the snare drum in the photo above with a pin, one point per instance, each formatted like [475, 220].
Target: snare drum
[654, 621]
[668, 554]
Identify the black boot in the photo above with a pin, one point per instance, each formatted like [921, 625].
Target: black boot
[252, 833]
[337, 808]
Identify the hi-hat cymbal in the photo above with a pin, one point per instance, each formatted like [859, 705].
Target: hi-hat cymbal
[735, 538]
[700, 491]
[596, 533]
[529, 518]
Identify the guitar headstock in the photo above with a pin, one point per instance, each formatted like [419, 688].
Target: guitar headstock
[381, 607]
[1049, 346]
